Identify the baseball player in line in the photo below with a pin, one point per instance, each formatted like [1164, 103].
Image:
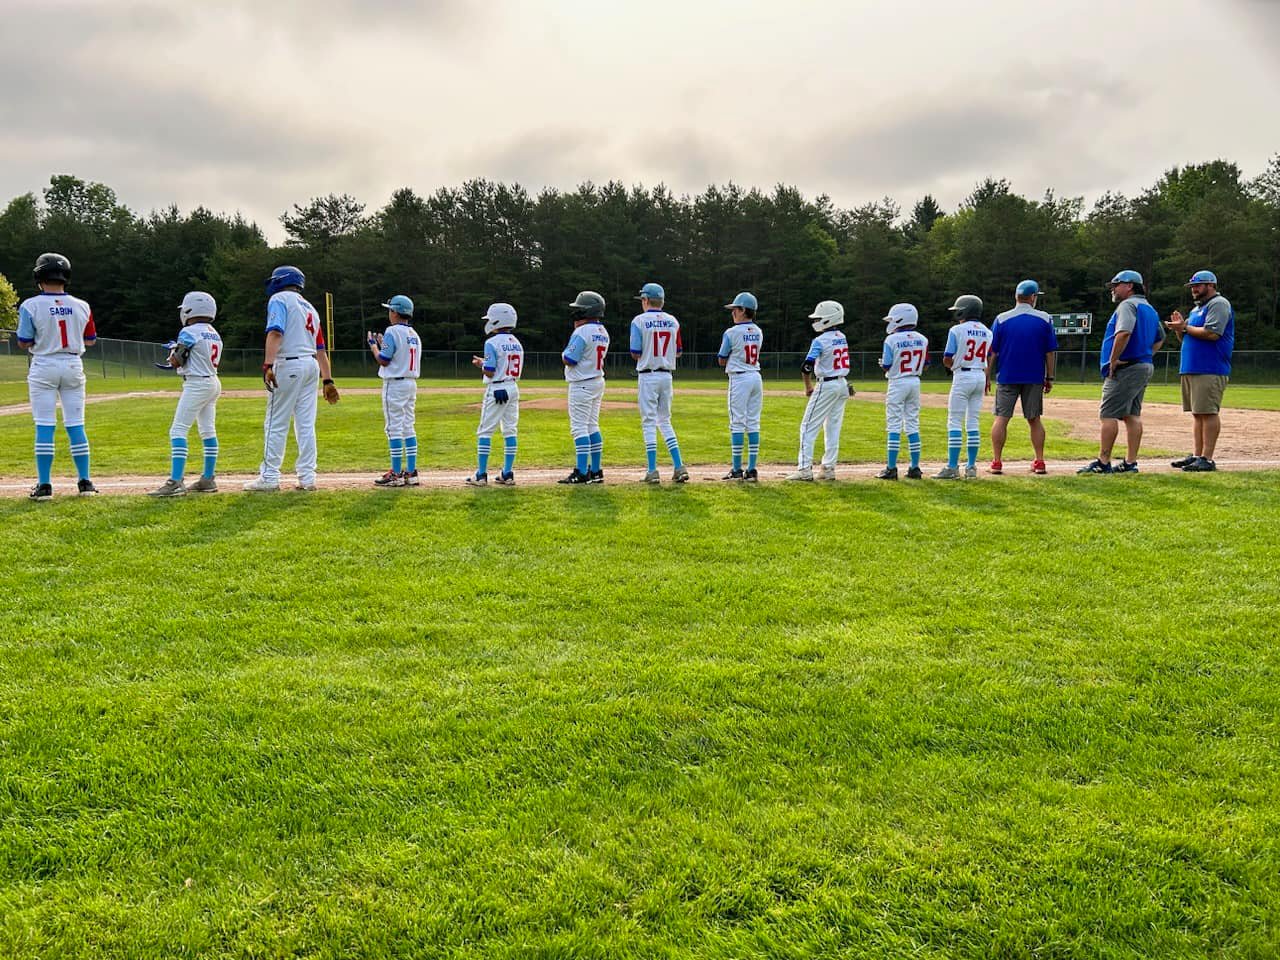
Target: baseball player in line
[295, 365]
[56, 328]
[740, 356]
[194, 356]
[398, 351]
[968, 344]
[584, 358]
[502, 364]
[825, 372]
[655, 347]
[905, 353]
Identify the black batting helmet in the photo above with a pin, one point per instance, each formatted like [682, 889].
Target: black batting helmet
[588, 305]
[52, 268]
[967, 307]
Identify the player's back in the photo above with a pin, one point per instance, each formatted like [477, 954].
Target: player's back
[744, 342]
[655, 335]
[830, 354]
[968, 344]
[506, 355]
[205, 345]
[293, 316]
[905, 352]
[591, 347]
[406, 355]
[57, 323]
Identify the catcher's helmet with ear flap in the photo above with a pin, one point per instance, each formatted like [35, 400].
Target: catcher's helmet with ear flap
[52, 268]
[967, 307]
[588, 305]
[827, 314]
[499, 316]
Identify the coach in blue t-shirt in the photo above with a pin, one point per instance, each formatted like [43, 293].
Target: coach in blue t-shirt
[1024, 341]
[1208, 336]
[1133, 337]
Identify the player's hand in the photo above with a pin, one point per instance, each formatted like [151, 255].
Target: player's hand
[1111, 371]
[371, 338]
[269, 377]
[477, 361]
[1048, 386]
[986, 388]
[808, 391]
[330, 392]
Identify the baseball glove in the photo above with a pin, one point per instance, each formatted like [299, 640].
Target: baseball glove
[852, 391]
[330, 392]
[269, 377]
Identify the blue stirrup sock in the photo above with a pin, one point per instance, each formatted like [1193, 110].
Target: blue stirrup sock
[396, 446]
[79, 450]
[913, 443]
[582, 449]
[482, 456]
[210, 457]
[953, 448]
[735, 448]
[44, 453]
[177, 458]
[895, 441]
[651, 455]
[597, 451]
[673, 448]
[974, 443]
[753, 449]
[508, 455]
[411, 454]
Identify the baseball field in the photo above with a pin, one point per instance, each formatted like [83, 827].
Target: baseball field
[1014, 717]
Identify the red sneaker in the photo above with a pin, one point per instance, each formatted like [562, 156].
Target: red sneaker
[996, 467]
[1037, 466]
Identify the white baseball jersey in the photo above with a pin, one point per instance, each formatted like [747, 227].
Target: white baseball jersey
[741, 346]
[503, 358]
[586, 351]
[968, 344]
[905, 352]
[206, 350]
[655, 336]
[829, 354]
[55, 323]
[402, 350]
[289, 313]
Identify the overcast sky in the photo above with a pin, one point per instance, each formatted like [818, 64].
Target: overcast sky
[254, 105]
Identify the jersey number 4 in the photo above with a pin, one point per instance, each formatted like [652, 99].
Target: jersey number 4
[311, 323]
[974, 348]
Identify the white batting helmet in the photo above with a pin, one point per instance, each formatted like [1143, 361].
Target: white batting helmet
[499, 316]
[197, 304]
[826, 315]
[901, 315]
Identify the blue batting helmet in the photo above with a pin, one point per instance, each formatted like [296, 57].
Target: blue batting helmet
[401, 305]
[745, 300]
[282, 277]
[653, 291]
[1126, 276]
[1203, 276]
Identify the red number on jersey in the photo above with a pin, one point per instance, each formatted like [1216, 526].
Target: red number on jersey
[840, 358]
[600, 352]
[311, 323]
[912, 362]
[513, 364]
[213, 355]
[752, 353]
[62, 328]
[413, 358]
[661, 342]
[975, 349]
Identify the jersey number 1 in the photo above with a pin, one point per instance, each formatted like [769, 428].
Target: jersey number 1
[661, 342]
[751, 351]
[62, 328]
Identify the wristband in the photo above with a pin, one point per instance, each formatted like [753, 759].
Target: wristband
[267, 366]
[325, 383]
[1049, 378]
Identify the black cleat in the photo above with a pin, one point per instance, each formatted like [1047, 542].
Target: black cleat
[751, 476]
[41, 491]
[734, 475]
[595, 476]
[86, 488]
[888, 473]
[1201, 465]
[1095, 466]
[1124, 466]
[914, 473]
[575, 478]
[1185, 462]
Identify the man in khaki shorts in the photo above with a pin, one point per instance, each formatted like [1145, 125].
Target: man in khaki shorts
[1026, 347]
[1207, 336]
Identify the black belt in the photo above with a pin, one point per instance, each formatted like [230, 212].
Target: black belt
[968, 369]
[198, 376]
[588, 379]
[734, 373]
[496, 382]
[655, 371]
[396, 378]
[293, 358]
[829, 379]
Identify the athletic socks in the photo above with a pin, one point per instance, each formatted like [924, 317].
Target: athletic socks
[79, 450]
[411, 454]
[953, 448]
[974, 443]
[397, 453]
[753, 449]
[735, 449]
[582, 449]
[597, 450]
[44, 453]
[895, 441]
[177, 458]
[651, 455]
[913, 444]
[210, 457]
[508, 455]
[673, 447]
[482, 456]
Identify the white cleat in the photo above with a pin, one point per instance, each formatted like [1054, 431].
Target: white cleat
[947, 473]
[971, 473]
[170, 488]
[262, 486]
[805, 474]
[826, 473]
[306, 486]
[652, 476]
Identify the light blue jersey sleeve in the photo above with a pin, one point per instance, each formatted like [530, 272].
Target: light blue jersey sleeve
[726, 348]
[953, 345]
[815, 349]
[573, 352]
[277, 313]
[490, 358]
[187, 338]
[388, 349]
[26, 326]
[637, 338]
[886, 358]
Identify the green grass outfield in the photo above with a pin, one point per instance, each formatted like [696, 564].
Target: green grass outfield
[1026, 719]
[131, 435]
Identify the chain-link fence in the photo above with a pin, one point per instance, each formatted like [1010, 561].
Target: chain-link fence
[134, 359]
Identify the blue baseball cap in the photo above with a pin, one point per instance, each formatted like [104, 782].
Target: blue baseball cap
[1126, 276]
[1203, 276]
[1028, 288]
[745, 300]
[401, 305]
[653, 291]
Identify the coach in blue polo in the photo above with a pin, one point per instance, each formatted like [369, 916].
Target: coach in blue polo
[1133, 337]
[1024, 349]
[1207, 336]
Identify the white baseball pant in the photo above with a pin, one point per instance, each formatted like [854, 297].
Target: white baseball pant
[399, 407]
[965, 400]
[902, 405]
[653, 393]
[199, 405]
[494, 415]
[294, 399]
[584, 406]
[746, 399]
[55, 379]
[825, 412]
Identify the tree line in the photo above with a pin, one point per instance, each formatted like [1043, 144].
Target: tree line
[460, 248]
